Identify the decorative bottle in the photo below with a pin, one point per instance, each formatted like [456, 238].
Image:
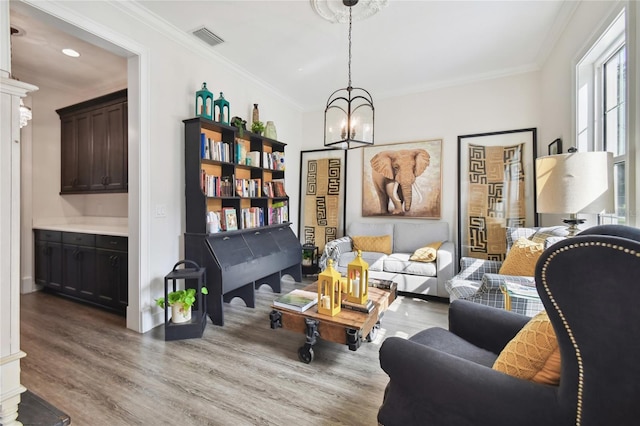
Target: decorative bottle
[256, 113]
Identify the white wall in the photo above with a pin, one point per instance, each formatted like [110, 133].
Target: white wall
[507, 103]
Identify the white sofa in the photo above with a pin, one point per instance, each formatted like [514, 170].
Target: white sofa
[425, 278]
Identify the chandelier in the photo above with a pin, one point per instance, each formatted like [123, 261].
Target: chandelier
[349, 115]
[25, 114]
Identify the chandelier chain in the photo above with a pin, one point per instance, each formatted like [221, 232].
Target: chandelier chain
[350, 9]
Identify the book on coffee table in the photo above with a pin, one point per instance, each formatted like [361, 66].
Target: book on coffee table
[380, 283]
[366, 308]
[297, 300]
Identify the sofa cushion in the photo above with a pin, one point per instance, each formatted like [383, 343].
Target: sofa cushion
[427, 253]
[377, 243]
[533, 354]
[522, 258]
[400, 263]
[374, 259]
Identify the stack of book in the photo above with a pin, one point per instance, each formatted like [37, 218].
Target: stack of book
[380, 283]
[366, 308]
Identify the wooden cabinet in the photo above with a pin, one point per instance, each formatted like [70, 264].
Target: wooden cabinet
[112, 271]
[87, 267]
[78, 265]
[94, 145]
[48, 259]
[261, 250]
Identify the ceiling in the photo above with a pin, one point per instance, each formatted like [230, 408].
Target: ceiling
[407, 47]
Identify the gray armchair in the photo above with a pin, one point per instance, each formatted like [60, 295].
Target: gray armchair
[479, 280]
[589, 285]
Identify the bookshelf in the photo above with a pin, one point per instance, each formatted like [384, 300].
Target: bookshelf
[240, 179]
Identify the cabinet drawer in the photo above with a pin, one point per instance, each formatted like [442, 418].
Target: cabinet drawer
[78, 238]
[112, 242]
[44, 235]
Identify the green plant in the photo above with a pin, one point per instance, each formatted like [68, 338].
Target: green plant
[186, 297]
[257, 127]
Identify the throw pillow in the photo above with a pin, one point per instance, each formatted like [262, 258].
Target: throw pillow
[427, 253]
[378, 243]
[533, 354]
[522, 258]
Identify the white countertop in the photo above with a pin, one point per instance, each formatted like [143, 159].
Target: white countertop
[86, 225]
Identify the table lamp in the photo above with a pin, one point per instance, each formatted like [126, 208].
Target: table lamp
[574, 183]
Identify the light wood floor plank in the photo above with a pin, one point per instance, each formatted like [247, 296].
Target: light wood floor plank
[85, 362]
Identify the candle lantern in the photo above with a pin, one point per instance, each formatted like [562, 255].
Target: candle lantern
[219, 106]
[329, 293]
[358, 276]
[204, 102]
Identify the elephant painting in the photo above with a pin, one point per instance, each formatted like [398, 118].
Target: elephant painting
[393, 174]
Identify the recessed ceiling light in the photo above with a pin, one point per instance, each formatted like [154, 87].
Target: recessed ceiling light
[70, 52]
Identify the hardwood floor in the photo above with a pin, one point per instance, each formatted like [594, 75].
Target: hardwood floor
[85, 362]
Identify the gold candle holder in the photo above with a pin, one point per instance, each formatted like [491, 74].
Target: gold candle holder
[358, 276]
[329, 291]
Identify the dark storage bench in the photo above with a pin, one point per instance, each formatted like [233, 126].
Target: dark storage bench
[238, 262]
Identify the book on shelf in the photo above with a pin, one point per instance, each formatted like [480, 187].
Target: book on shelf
[278, 213]
[297, 300]
[230, 219]
[278, 187]
[366, 308]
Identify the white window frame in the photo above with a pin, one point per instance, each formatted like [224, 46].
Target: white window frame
[589, 102]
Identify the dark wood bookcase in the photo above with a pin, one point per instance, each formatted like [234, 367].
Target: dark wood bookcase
[237, 261]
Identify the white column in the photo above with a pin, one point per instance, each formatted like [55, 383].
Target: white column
[10, 354]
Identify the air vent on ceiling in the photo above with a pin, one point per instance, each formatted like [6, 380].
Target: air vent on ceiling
[207, 36]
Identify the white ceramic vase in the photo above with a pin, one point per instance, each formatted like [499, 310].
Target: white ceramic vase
[270, 130]
[180, 314]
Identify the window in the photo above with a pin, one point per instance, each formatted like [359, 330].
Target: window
[601, 110]
[614, 115]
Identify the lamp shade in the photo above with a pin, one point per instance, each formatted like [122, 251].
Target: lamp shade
[577, 182]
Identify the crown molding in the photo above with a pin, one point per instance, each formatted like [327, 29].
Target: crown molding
[197, 46]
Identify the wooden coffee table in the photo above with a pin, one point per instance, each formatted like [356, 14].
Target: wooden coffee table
[348, 327]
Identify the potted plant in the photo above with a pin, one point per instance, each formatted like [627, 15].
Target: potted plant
[181, 302]
[257, 127]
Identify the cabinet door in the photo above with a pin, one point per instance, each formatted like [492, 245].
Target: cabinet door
[48, 268]
[111, 278]
[75, 147]
[108, 157]
[79, 268]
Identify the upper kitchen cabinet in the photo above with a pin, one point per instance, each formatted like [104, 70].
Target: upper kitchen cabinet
[94, 145]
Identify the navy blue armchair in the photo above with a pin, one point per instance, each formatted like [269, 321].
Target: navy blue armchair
[590, 287]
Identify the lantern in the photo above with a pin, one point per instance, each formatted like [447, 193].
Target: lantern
[204, 102]
[218, 108]
[329, 294]
[358, 276]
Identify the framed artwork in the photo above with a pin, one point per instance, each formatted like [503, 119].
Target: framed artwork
[496, 189]
[402, 179]
[555, 147]
[321, 214]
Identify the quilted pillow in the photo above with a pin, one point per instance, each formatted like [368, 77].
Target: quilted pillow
[378, 243]
[427, 253]
[533, 354]
[522, 257]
